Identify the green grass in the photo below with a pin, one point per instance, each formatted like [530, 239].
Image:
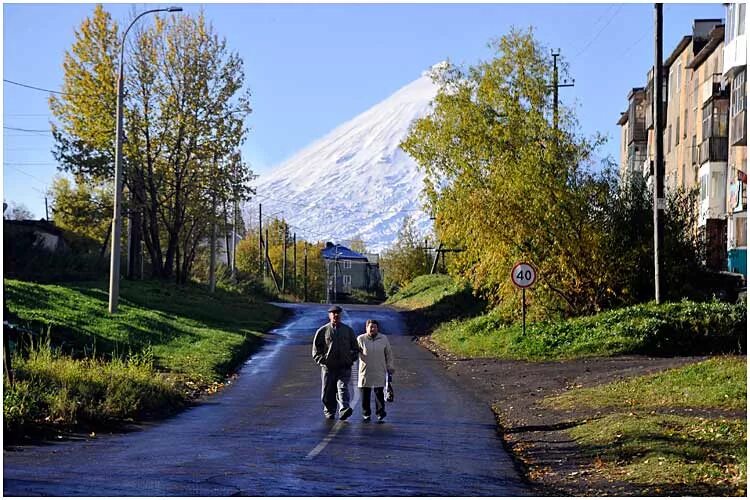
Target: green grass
[424, 291]
[634, 439]
[165, 344]
[668, 454]
[189, 331]
[719, 382]
[432, 299]
[674, 328]
[55, 389]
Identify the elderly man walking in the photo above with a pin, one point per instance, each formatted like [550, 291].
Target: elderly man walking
[335, 349]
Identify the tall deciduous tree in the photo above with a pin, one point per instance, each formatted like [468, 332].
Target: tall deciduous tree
[84, 130]
[505, 185]
[184, 112]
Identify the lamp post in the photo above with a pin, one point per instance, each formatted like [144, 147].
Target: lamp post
[114, 266]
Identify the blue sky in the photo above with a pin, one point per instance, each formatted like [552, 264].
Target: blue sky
[311, 67]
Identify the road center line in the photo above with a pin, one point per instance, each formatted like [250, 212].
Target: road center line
[338, 425]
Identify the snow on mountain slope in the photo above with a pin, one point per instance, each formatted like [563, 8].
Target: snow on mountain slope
[355, 182]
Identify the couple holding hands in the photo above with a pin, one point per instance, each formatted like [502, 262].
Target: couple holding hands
[335, 348]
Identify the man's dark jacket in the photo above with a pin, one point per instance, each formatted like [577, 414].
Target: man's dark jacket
[335, 347]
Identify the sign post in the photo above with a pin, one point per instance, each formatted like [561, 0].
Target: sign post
[523, 276]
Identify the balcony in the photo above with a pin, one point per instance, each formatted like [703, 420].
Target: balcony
[712, 88]
[714, 149]
[738, 130]
[694, 151]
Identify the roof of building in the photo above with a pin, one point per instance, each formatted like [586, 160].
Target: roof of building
[335, 252]
[41, 224]
[717, 37]
[678, 50]
[623, 118]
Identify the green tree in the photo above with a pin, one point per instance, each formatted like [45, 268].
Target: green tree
[184, 113]
[83, 209]
[358, 245]
[405, 259]
[506, 186]
[85, 111]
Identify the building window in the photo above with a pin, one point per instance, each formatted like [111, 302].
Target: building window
[704, 187]
[669, 138]
[739, 97]
[706, 122]
[740, 231]
[685, 125]
[347, 281]
[670, 85]
[684, 176]
[347, 264]
[717, 185]
[740, 19]
[677, 132]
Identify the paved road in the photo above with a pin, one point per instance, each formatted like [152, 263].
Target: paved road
[265, 435]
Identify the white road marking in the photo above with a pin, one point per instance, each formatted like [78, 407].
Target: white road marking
[338, 425]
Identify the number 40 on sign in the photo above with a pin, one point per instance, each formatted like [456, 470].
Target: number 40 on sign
[523, 276]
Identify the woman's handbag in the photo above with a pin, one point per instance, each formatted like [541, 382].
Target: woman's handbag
[389, 388]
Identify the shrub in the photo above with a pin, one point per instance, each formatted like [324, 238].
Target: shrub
[678, 328]
[53, 388]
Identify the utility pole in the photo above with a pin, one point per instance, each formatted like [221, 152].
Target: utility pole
[294, 266]
[235, 208]
[46, 210]
[555, 86]
[304, 299]
[261, 267]
[438, 251]
[266, 248]
[659, 156]
[283, 260]
[212, 259]
[128, 242]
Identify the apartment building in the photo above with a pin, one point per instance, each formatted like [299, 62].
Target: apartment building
[697, 132]
[734, 72]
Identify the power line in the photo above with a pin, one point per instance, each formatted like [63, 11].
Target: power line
[34, 88]
[28, 163]
[27, 129]
[598, 32]
[26, 174]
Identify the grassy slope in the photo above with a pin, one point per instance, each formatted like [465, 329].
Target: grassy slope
[717, 383]
[188, 330]
[672, 454]
[424, 291]
[630, 440]
[675, 328]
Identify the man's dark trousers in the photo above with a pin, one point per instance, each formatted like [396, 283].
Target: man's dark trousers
[335, 383]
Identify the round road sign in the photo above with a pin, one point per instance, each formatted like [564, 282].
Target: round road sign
[523, 275]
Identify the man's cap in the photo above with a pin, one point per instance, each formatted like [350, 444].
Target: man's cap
[334, 309]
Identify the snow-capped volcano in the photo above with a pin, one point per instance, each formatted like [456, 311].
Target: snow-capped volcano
[355, 182]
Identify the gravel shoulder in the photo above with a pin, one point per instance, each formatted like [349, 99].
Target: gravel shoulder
[537, 437]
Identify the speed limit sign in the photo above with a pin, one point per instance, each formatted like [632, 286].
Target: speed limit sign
[523, 275]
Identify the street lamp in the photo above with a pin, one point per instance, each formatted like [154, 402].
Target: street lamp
[114, 266]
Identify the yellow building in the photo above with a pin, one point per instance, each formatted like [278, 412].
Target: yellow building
[735, 76]
[696, 132]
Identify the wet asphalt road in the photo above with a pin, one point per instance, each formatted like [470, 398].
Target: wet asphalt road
[265, 435]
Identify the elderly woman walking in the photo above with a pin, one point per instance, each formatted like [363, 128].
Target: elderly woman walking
[375, 360]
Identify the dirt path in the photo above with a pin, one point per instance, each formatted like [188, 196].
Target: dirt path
[537, 436]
